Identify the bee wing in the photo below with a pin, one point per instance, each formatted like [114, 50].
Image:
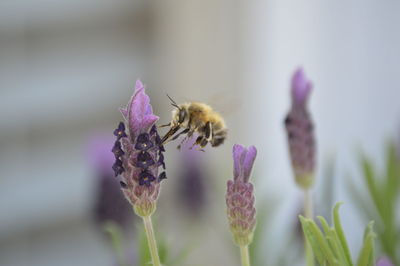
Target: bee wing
[225, 102]
[222, 101]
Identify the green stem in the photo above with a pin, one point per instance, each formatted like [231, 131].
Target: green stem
[151, 240]
[308, 204]
[244, 254]
[308, 213]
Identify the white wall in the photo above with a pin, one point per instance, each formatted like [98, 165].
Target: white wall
[350, 50]
[66, 67]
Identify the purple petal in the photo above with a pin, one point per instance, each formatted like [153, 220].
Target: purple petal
[138, 88]
[149, 120]
[139, 85]
[301, 87]
[149, 110]
[248, 162]
[239, 153]
[140, 116]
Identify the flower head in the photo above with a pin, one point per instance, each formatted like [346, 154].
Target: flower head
[300, 131]
[240, 196]
[138, 153]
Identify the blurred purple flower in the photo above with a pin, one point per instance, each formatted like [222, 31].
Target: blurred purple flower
[240, 196]
[384, 261]
[300, 131]
[138, 153]
[192, 189]
[98, 153]
[110, 204]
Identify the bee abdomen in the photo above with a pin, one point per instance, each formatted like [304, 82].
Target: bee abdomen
[219, 137]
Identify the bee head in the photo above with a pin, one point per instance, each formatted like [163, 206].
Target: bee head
[179, 114]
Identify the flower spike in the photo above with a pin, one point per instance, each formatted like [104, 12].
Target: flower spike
[240, 196]
[137, 153]
[300, 131]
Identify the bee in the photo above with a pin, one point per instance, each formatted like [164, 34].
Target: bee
[196, 117]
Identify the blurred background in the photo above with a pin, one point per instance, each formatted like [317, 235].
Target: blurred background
[66, 67]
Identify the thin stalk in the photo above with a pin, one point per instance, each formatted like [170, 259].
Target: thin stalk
[308, 213]
[151, 240]
[244, 254]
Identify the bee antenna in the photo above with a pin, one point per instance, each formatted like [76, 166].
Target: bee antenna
[173, 103]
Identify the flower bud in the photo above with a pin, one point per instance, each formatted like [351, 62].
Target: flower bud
[240, 198]
[300, 132]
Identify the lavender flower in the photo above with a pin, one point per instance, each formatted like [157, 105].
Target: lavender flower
[384, 261]
[240, 196]
[300, 131]
[138, 153]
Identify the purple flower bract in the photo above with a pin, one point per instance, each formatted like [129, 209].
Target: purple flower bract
[301, 88]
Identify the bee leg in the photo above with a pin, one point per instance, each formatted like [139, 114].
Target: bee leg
[169, 134]
[186, 138]
[180, 133]
[201, 147]
[180, 144]
[166, 125]
[201, 141]
[203, 144]
[197, 142]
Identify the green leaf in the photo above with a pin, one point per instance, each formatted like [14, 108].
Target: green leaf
[324, 224]
[334, 246]
[392, 173]
[305, 224]
[369, 175]
[363, 203]
[323, 244]
[340, 250]
[318, 242]
[114, 231]
[181, 257]
[366, 257]
[340, 232]
[330, 246]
